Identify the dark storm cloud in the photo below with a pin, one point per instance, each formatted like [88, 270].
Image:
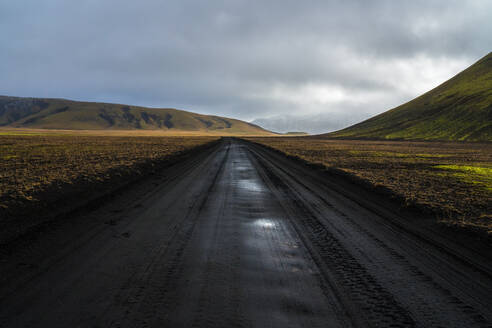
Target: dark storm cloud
[239, 58]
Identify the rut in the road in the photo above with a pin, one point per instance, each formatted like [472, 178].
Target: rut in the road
[154, 305]
[376, 305]
[355, 282]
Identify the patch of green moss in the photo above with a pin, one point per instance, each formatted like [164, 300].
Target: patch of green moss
[433, 155]
[395, 154]
[472, 174]
[378, 154]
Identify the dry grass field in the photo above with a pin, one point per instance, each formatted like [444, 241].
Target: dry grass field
[39, 169]
[453, 180]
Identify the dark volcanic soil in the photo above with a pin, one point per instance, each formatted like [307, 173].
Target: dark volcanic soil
[240, 236]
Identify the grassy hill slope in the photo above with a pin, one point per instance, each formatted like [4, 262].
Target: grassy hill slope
[458, 109]
[39, 113]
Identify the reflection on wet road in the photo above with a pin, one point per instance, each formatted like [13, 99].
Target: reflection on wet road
[252, 266]
[265, 223]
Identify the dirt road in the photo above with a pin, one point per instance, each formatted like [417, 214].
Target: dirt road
[240, 236]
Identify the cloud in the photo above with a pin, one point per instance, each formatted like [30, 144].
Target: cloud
[239, 58]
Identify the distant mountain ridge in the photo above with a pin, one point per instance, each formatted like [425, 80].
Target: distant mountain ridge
[310, 123]
[46, 113]
[460, 109]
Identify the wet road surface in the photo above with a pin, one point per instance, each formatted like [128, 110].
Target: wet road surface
[241, 237]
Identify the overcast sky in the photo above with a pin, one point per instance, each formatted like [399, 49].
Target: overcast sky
[243, 59]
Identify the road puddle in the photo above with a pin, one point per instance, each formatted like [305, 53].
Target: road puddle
[250, 185]
[265, 223]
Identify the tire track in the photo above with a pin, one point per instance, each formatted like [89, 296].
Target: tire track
[313, 213]
[343, 272]
[149, 297]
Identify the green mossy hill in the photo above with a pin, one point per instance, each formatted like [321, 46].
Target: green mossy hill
[38, 113]
[460, 109]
